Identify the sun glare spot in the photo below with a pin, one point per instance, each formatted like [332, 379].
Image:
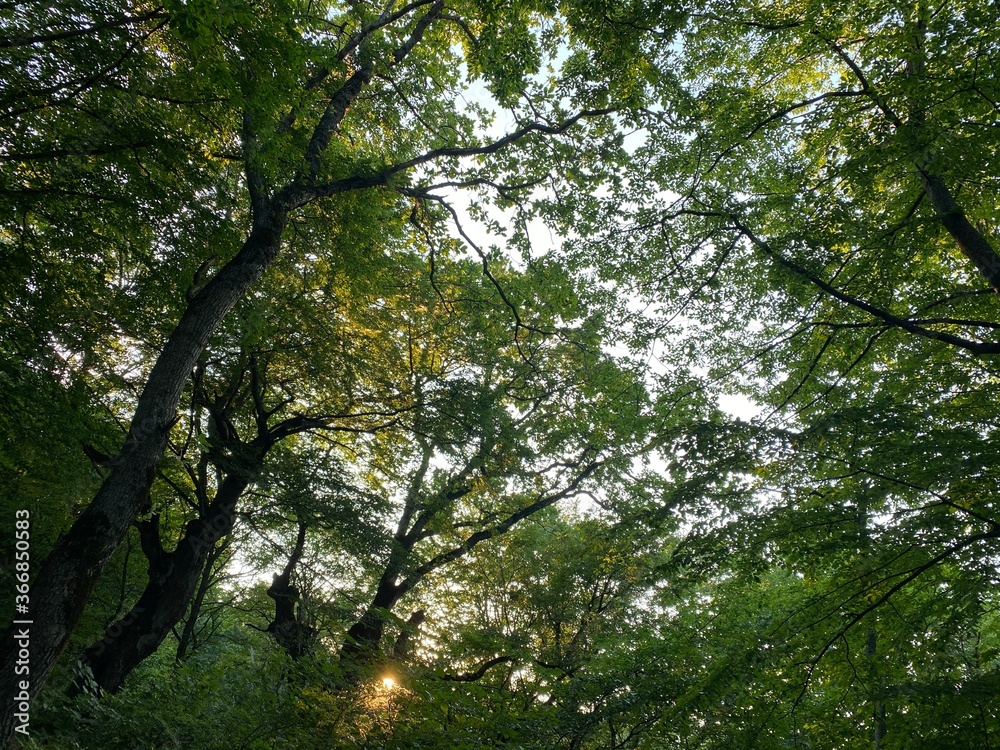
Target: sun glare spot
[388, 683]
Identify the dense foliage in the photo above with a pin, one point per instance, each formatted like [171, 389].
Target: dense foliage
[362, 369]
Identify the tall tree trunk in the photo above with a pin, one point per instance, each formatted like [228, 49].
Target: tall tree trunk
[970, 240]
[874, 674]
[69, 574]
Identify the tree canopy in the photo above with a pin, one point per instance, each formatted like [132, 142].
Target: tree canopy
[368, 368]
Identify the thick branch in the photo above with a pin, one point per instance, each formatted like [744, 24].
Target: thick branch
[332, 117]
[297, 195]
[358, 37]
[480, 672]
[976, 347]
[341, 100]
[970, 241]
[413, 493]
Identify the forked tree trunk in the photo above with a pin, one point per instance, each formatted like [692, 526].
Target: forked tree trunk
[173, 577]
[67, 577]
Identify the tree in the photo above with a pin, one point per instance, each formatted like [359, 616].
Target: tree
[233, 282]
[258, 388]
[806, 209]
[500, 431]
[828, 240]
[360, 103]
